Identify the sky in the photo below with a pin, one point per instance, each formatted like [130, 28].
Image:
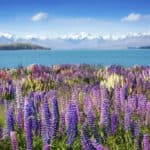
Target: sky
[54, 18]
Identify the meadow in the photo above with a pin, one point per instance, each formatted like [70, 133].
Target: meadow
[75, 107]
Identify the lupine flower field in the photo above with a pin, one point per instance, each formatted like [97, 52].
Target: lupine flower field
[75, 107]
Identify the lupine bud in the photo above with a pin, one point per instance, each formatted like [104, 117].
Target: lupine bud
[14, 142]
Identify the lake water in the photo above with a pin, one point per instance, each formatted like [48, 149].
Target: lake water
[104, 57]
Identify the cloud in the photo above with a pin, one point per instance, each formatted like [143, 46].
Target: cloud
[132, 17]
[39, 16]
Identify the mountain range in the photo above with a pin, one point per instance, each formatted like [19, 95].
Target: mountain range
[82, 41]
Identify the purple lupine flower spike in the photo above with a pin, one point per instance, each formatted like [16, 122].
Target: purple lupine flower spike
[19, 99]
[14, 141]
[20, 120]
[127, 118]
[39, 125]
[104, 93]
[85, 139]
[62, 122]
[46, 123]
[146, 144]
[122, 99]
[44, 131]
[105, 111]
[92, 122]
[136, 129]
[72, 129]
[10, 119]
[33, 113]
[136, 133]
[96, 96]
[114, 123]
[117, 101]
[55, 116]
[28, 124]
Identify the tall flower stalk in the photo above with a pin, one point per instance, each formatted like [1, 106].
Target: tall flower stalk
[14, 141]
[28, 124]
[105, 111]
[55, 116]
[72, 129]
[10, 119]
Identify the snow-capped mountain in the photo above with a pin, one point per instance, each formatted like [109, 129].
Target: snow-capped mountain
[82, 36]
[6, 38]
[82, 40]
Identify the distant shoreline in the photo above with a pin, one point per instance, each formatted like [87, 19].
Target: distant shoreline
[22, 46]
[141, 47]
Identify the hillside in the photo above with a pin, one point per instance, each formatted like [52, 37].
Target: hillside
[22, 46]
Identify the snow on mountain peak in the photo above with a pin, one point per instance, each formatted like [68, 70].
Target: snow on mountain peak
[7, 35]
[81, 36]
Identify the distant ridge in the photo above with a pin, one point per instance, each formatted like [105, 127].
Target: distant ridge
[144, 47]
[22, 46]
[141, 47]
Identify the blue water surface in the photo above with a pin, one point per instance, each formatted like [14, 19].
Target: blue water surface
[127, 58]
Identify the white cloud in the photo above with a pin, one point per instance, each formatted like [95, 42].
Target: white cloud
[132, 17]
[39, 16]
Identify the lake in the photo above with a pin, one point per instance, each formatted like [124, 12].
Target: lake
[132, 57]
